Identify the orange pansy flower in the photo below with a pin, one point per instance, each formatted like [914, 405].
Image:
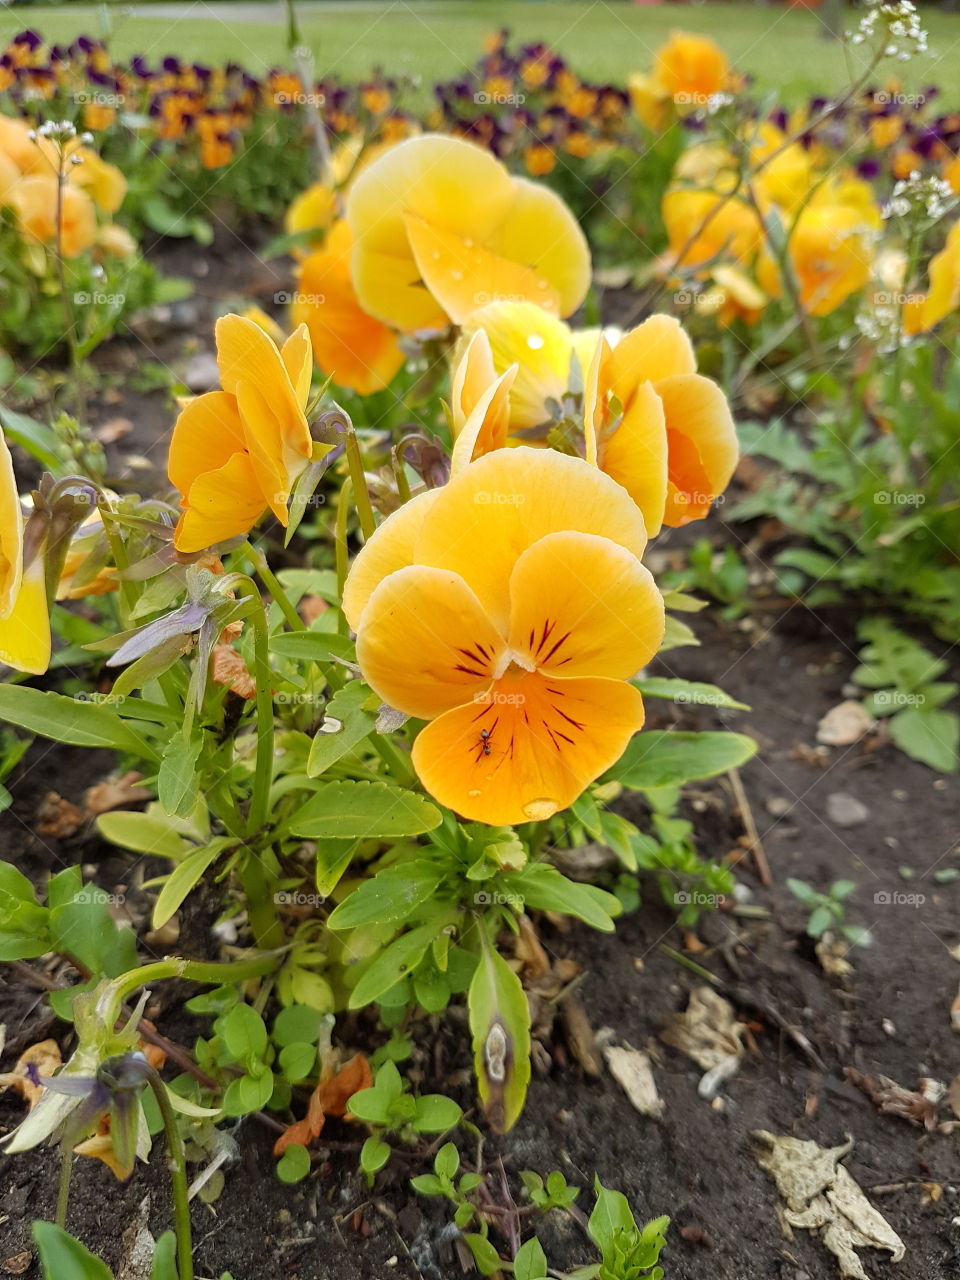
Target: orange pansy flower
[238, 451]
[24, 617]
[518, 657]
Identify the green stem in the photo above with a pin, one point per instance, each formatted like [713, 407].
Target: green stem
[400, 475]
[210, 973]
[63, 1196]
[178, 1177]
[261, 912]
[263, 773]
[263, 571]
[398, 764]
[341, 550]
[361, 495]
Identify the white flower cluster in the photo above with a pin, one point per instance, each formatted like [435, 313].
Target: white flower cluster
[881, 326]
[900, 24]
[932, 195]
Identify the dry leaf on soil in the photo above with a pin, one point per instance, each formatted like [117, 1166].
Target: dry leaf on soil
[844, 724]
[230, 669]
[818, 1194]
[41, 1059]
[708, 1032]
[329, 1098]
[892, 1099]
[633, 1071]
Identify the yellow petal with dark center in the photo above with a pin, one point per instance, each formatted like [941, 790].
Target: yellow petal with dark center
[390, 548]
[207, 433]
[584, 606]
[25, 631]
[424, 643]
[529, 748]
[222, 503]
[493, 510]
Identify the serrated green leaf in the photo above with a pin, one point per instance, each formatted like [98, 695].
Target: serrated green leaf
[388, 897]
[345, 707]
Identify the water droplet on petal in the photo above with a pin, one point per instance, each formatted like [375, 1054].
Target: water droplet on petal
[468, 242]
[535, 342]
[540, 810]
[457, 275]
[473, 794]
[436, 255]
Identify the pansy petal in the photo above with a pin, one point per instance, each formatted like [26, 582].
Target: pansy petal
[11, 533]
[390, 548]
[701, 442]
[263, 433]
[25, 631]
[658, 348]
[529, 748]
[462, 275]
[488, 426]
[207, 433]
[246, 353]
[473, 372]
[635, 455]
[582, 605]
[221, 504]
[493, 510]
[595, 400]
[424, 643]
[541, 232]
[523, 333]
[297, 360]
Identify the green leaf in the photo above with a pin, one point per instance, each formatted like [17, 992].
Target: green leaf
[297, 1060]
[243, 1032]
[72, 721]
[363, 810]
[667, 758]
[297, 1024]
[178, 779]
[530, 1262]
[165, 1258]
[500, 1029]
[932, 737]
[545, 888]
[821, 918]
[248, 1093]
[692, 691]
[611, 1217]
[64, 1258]
[391, 964]
[294, 1164]
[374, 1154]
[447, 1160]
[388, 897]
[427, 1184]
[346, 706]
[311, 646]
[84, 928]
[436, 1114]
[24, 924]
[143, 833]
[484, 1254]
[184, 877]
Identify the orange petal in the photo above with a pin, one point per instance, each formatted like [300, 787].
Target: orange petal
[702, 445]
[222, 503]
[545, 740]
[390, 548]
[100, 1146]
[424, 643]
[540, 231]
[635, 455]
[472, 374]
[295, 354]
[207, 433]
[493, 510]
[582, 605]
[658, 348]
[488, 426]
[274, 469]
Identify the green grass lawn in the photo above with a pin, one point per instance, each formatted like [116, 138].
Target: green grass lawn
[782, 48]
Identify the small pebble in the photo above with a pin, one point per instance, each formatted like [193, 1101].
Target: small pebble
[203, 372]
[777, 806]
[845, 810]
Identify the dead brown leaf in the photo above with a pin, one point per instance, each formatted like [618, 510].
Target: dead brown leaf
[113, 429]
[44, 1059]
[893, 1099]
[329, 1098]
[709, 1033]
[114, 792]
[57, 817]
[230, 669]
[18, 1264]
